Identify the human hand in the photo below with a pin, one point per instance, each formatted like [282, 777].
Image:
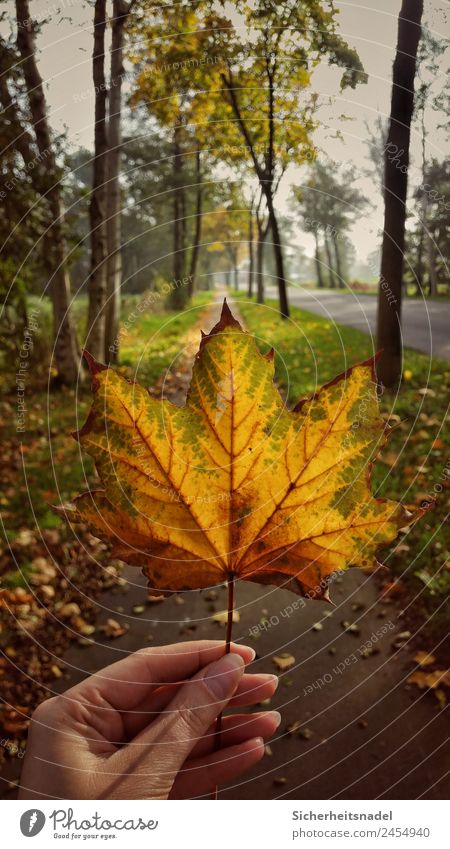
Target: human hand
[144, 727]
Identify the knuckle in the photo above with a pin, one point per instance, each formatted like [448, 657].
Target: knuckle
[146, 650]
[192, 721]
[45, 710]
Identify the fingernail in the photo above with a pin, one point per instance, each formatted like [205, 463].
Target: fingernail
[247, 648]
[276, 715]
[269, 677]
[220, 677]
[255, 742]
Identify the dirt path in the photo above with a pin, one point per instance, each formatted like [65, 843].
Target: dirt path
[360, 732]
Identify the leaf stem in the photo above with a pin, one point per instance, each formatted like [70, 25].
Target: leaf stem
[218, 730]
[230, 584]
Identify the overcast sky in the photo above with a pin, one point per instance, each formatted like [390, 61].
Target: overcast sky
[65, 62]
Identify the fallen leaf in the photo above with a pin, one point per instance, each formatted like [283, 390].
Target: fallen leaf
[24, 537]
[431, 680]
[306, 733]
[283, 661]
[56, 671]
[441, 698]
[69, 609]
[389, 458]
[113, 629]
[234, 484]
[424, 659]
[82, 627]
[222, 617]
[351, 627]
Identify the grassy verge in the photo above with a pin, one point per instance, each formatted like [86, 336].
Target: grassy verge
[47, 467]
[50, 575]
[310, 351]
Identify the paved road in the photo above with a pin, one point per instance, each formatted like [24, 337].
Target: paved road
[426, 325]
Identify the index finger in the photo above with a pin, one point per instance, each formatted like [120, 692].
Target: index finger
[124, 684]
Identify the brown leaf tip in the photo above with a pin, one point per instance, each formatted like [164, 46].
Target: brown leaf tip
[226, 314]
[93, 365]
[226, 321]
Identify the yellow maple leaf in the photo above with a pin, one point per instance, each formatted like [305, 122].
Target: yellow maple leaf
[234, 484]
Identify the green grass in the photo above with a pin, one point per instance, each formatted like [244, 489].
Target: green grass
[309, 350]
[153, 342]
[48, 467]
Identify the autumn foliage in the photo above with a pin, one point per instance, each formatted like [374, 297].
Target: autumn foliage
[234, 484]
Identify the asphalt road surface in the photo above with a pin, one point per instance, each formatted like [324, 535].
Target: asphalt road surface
[425, 324]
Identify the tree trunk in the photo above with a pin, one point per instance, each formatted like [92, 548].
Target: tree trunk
[236, 277]
[331, 277]
[318, 262]
[396, 165]
[113, 202]
[419, 259]
[251, 254]
[265, 185]
[65, 343]
[431, 253]
[95, 336]
[278, 254]
[178, 295]
[260, 269]
[339, 272]
[198, 224]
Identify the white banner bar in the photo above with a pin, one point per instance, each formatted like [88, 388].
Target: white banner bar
[225, 824]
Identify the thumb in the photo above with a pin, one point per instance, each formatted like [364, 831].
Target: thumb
[161, 749]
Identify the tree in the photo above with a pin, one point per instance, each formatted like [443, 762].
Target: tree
[65, 344]
[147, 187]
[282, 63]
[262, 225]
[429, 57]
[225, 232]
[375, 140]
[198, 222]
[23, 210]
[251, 247]
[269, 124]
[307, 202]
[432, 202]
[396, 163]
[329, 203]
[95, 336]
[170, 83]
[120, 16]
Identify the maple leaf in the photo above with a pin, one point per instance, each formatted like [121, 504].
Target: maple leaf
[234, 484]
